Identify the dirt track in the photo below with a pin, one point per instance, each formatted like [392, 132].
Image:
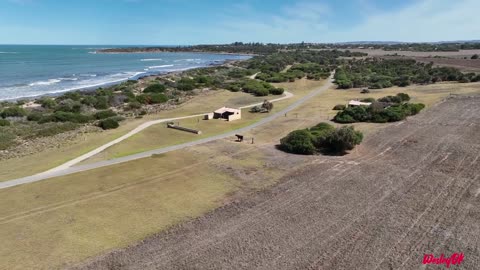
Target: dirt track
[410, 189]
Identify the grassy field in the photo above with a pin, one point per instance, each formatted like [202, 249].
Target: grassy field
[28, 165]
[159, 136]
[60, 221]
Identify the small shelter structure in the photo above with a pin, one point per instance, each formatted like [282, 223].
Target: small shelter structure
[356, 103]
[228, 114]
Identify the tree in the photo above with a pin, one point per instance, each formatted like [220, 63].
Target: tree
[267, 105]
[342, 139]
[298, 142]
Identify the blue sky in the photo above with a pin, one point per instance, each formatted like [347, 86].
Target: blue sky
[168, 22]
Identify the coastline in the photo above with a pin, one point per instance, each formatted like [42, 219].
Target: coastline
[139, 76]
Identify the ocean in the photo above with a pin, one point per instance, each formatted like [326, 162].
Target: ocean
[35, 70]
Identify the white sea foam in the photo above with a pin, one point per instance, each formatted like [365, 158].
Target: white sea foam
[162, 66]
[49, 82]
[188, 60]
[8, 52]
[151, 59]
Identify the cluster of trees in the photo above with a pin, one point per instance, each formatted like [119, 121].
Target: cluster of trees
[322, 138]
[257, 88]
[269, 48]
[383, 73]
[386, 109]
[276, 62]
[266, 106]
[312, 71]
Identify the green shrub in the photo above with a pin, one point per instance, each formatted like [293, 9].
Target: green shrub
[7, 140]
[14, 111]
[186, 84]
[105, 114]
[89, 100]
[155, 88]
[134, 105]
[277, 91]
[102, 103]
[298, 142]
[46, 102]
[342, 139]
[71, 117]
[34, 116]
[321, 138]
[4, 123]
[371, 100]
[339, 107]
[46, 118]
[54, 129]
[108, 124]
[158, 98]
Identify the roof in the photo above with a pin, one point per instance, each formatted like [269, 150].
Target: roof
[226, 109]
[358, 103]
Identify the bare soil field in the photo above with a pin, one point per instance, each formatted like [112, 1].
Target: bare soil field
[465, 65]
[410, 189]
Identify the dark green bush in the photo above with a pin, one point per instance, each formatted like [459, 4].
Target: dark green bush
[34, 116]
[89, 100]
[155, 88]
[277, 91]
[186, 84]
[4, 123]
[158, 98]
[105, 114]
[102, 103]
[14, 111]
[339, 107]
[298, 142]
[48, 103]
[108, 124]
[321, 138]
[342, 139]
[72, 117]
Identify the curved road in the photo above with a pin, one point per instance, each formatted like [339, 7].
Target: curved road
[66, 169]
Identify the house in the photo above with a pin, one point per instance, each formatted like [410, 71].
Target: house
[226, 113]
[355, 103]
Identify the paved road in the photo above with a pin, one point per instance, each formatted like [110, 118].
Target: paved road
[67, 168]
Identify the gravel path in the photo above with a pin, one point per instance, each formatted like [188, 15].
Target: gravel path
[68, 168]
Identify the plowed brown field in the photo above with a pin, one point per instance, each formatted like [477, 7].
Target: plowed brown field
[410, 189]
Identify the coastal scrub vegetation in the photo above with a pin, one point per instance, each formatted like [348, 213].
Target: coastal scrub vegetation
[270, 64]
[383, 73]
[269, 48]
[322, 138]
[386, 109]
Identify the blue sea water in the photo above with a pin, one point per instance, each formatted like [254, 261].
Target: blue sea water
[34, 70]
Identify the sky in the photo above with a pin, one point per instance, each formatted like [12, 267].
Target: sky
[188, 22]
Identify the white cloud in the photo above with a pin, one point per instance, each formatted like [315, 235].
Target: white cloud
[428, 20]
